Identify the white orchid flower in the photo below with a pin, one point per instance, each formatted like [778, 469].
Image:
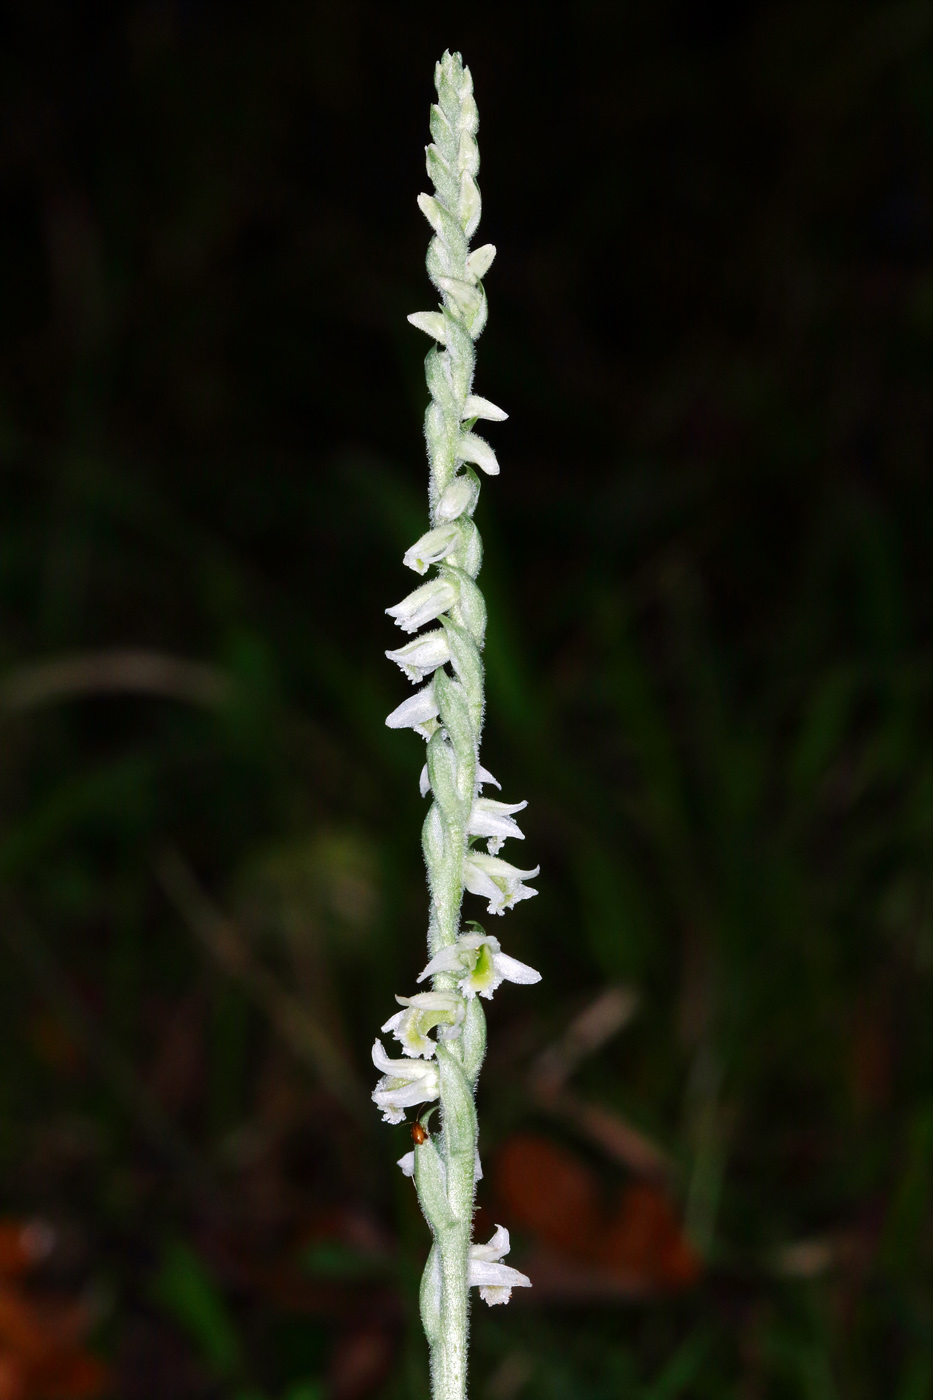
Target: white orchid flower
[425, 604]
[494, 1280]
[496, 881]
[418, 712]
[431, 548]
[422, 656]
[494, 819]
[481, 965]
[422, 1013]
[404, 1084]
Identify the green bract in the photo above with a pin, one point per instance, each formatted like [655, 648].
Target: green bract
[448, 713]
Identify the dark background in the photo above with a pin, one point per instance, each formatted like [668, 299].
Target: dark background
[706, 577]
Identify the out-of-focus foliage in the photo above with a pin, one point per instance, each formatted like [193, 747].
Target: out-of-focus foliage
[708, 601]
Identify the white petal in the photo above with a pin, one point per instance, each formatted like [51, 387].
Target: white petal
[407, 1163]
[431, 322]
[483, 775]
[424, 782]
[490, 818]
[478, 407]
[514, 971]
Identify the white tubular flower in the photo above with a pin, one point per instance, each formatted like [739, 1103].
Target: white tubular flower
[425, 604]
[494, 819]
[481, 965]
[496, 881]
[422, 1013]
[494, 1280]
[404, 1084]
[431, 548]
[417, 713]
[422, 656]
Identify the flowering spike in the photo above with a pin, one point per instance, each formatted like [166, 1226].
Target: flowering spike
[443, 1031]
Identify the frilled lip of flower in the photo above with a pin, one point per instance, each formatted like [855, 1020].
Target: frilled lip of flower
[497, 881]
[425, 604]
[494, 819]
[404, 1084]
[494, 1279]
[416, 712]
[483, 965]
[421, 1014]
[422, 656]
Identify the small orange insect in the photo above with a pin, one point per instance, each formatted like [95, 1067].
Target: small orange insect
[419, 1133]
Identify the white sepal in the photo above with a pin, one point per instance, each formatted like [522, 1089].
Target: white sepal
[494, 1280]
[425, 604]
[404, 1084]
[496, 881]
[431, 548]
[422, 656]
[483, 775]
[424, 782]
[476, 406]
[416, 712]
[471, 448]
[480, 260]
[494, 819]
[407, 1163]
[431, 322]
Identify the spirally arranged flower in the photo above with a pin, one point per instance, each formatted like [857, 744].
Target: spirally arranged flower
[422, 1013]
[442, 1032]
[404, 1084]
[494, 1279]
[477, 960]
